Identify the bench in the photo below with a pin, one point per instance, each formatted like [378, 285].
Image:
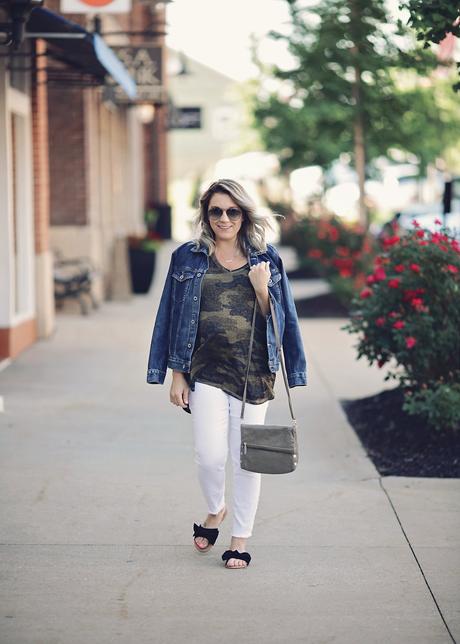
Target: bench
[73, 278]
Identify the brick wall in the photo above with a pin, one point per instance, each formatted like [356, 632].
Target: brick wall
[68, 186]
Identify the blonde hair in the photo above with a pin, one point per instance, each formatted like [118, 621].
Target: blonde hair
[253, 226]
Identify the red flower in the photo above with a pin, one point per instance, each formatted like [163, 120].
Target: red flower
[437, 221]
[410, 341]
[367, 247]
[399, 268]
[417, 303]
[415, 223]
[451, 268]
[394, 283]
[419, 233]
[366, 292]
[438, 237]
[410, 293]
[379, 274]
[370, 279]
[393, 314]
[423, 243]
[380, 321]
[315, 252]
[380, 363]
[333, 233]
[443, 247]
[415, 268]
[399, 324]
[390, 241]
[342, 251]
[345, 272]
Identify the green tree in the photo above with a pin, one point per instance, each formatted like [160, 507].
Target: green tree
[433, 20]
[352, 89]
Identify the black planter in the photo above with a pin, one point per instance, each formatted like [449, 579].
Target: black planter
[142, 266]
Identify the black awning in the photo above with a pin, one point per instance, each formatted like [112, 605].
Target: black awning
[79, 48]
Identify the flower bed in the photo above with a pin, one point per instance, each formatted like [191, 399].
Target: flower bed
[340, 252]
[409, 311]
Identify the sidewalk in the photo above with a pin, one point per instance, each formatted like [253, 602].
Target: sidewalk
[100, 495]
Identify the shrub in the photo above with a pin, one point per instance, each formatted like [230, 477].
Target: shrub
[409, 311]
[336, 250]
[439, 404]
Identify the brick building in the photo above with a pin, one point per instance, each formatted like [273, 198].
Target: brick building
[77, 168]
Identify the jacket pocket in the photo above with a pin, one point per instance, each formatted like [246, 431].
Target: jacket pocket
[181, 282]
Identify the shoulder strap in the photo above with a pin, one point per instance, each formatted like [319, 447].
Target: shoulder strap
[280, 351]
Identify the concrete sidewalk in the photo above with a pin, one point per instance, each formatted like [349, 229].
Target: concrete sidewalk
[99, 495]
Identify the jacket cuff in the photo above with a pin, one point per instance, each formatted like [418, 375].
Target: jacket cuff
[155, 376]
[297, 379]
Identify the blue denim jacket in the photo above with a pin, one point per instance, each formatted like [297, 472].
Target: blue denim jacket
[177, 318]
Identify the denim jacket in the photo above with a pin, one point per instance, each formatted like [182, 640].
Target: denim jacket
[178, 314]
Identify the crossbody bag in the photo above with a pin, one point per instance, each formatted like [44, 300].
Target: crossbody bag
[268, 449]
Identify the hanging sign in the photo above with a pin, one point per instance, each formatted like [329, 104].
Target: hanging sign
[144, 65]
[95, 6]
[184, 118]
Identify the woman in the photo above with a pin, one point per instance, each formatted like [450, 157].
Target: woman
[202, 333]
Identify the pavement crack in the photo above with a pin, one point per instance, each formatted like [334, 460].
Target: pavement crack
[416, 560]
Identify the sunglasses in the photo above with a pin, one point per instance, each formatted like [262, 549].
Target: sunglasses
[216, 213]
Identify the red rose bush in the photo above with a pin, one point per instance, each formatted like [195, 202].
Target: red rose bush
[336, 250]
[409, 313]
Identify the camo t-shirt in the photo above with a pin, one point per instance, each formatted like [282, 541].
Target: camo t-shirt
[224, 330]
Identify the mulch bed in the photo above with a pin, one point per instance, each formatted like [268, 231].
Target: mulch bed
[321, 306]
[399, 444]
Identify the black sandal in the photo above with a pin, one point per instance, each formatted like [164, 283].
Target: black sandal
[235, 554]
[210, 534]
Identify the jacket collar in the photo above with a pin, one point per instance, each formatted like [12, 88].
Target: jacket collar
[204, 249]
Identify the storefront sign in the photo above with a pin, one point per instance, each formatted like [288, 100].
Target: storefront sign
[95, 6]
[144, 64]
[185, 118]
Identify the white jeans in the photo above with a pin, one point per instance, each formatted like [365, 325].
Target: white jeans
[216, 428]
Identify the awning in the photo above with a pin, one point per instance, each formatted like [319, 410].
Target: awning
[80, 48]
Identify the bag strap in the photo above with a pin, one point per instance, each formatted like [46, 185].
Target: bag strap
[280, 350]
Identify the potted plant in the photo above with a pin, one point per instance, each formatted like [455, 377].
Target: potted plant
[142, 254]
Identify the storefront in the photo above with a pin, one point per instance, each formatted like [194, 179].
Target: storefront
[51, 165]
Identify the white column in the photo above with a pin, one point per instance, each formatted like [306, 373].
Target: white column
[18, 106]
[6, 219]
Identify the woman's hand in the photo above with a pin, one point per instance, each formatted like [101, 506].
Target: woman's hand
[259, 274]
[178, 394]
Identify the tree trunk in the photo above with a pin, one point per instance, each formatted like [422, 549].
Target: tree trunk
[360, 159]
[358, 125]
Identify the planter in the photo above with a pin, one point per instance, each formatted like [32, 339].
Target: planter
[142, 267]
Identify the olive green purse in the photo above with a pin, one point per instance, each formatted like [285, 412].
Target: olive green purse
[268, 449]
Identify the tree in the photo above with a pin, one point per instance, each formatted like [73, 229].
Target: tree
[434, 20]
[349, 90]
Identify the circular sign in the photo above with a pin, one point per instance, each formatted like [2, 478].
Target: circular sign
[96, 3]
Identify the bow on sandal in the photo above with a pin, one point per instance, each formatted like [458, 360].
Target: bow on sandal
[210, 534]
[235, 554]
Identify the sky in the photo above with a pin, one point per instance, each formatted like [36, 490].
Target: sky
[217, 32]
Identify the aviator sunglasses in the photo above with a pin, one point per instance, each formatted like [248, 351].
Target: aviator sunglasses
[216, 213]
